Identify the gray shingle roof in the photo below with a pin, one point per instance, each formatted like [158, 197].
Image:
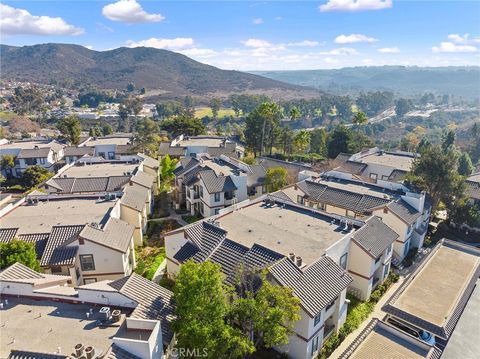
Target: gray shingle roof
[472, 189]
[186, 164]
[78, 151]
[143, 179]
[257, 175]
[154, 301]
[404, 211]
[135, 196]
[375, 236]
[88, 184]
[125, 150]
[149, 161]
[22, 354]
[34, 152]
[57, 251]
[115, 234]
[316, 286]
[166, 149]
[215, 184]
[281, 195]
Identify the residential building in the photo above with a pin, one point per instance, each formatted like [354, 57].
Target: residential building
[140, 329]
[110, 147]
[74, 153]
[44, 153]
[318, 255]
[81, 237]
[186, 146]
[387, 169]
[205, 185]
[407, 213]
[434, 313]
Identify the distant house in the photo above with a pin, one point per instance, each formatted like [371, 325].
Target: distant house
[186, 146]
[205, 185]
[110, 147]
[44, 153]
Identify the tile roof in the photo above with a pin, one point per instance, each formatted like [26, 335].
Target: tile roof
[115, 352]
[135, 197]
[22, 354]
[215, 184]
[88, 184]
[154, 301]
[7, 234]
[20, 273]
[125, 150]
[206, 237]
[404, 211]
[34, 152]
[229, 255]
[57, 251]
[316, 286]
[375, 236]
[39, 239]
[149, 161]
[353, 201]
[143, 179]
[78, 151]
[472, 189]
[186, 164]
[281, 195]
[257, 175]
[115, 234]
[397, 175]
[352, 167]
[166, 149]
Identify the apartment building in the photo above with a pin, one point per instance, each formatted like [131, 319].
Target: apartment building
[186, 146]
[407, 213]
[434, 313]
[126, 318]
[205, 185]
[110, 147]
[81, 237]
[44, 153]
[318, 255]
[387, 169]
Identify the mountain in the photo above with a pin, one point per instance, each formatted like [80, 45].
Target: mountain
[170, 73]
[405, 81]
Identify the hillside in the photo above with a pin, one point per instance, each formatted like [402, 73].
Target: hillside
[170, 73]
[405, 81]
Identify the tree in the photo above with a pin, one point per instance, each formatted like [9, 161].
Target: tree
[27, 100]
[423, 145]
[23, 125]
[130, 87]
[7, 161]
[167, 166]
[215, 105]
[339, 141]
[123, 114]
[276, 178]
[403, 106]
[295, 113]
[201, 309]
[287, 140]
[359, 119]
[318, 141]
[465, 166]
[18, 251]
[95, 132]
[142, 91]
[168, 109]
[302, 141]
[147, 136]
[34, 175]
[436, 173]
[70, 129]
[133, 105]
[448, 140]
[107, 129]
[183, 124]
[262, 127]
[266, 316]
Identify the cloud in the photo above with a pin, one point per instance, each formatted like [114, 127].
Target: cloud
[256, 43]
[177, 43]
[90, 47]
[129, 11]
[104, 27]
[200, 53]
[20, 22]
[304, 43]
[341, 51]
[389, 50]
[355, 5]
[463, 39]
[257, 21]
[353, 38]
[452, 48]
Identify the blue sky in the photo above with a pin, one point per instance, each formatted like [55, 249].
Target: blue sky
[249, 35]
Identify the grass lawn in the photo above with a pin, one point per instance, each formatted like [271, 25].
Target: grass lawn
[191, 219]
[148, 260]
[160, 208]
[201, 112]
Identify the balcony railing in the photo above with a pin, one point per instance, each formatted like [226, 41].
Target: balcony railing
[328, 330]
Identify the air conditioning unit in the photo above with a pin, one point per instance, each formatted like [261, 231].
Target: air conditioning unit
[105, 313]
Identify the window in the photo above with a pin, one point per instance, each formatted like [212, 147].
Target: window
[111, 155]
[300, 200]
[343, 261]
[89, 280]
[322, 206]
[217, 210]
[200, 189]
[101, 154]
[378, 259]
[317, 319]
[81, 241]
[42, 160]
[406, 248]
[386, 270]
[389, 249]
[202, 208]
[311, 204]
[315, 344]
[373, 176]
[410, 227]
[385, 178]
[56, 269]
[217, 197]
[87, 263]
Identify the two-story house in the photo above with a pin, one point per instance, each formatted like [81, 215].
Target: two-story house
[205, 185]
[318, 255]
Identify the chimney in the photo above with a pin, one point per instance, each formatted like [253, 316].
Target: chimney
[292, 257]
[130, 183]
[298, 261]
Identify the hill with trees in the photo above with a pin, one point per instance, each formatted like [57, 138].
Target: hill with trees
[405, 81]
[170, 73]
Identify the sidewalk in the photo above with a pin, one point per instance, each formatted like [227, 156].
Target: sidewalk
[160, 272]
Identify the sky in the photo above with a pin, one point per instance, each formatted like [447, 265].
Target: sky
[252, 35]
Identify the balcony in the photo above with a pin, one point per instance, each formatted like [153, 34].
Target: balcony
[375, 282]
[329, 329]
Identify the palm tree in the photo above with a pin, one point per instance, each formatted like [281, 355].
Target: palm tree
[295, 113]
[359, 119]
[302, 141]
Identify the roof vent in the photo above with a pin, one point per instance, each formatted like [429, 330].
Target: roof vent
[94, 224]
[291, 256]
[298, 261]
